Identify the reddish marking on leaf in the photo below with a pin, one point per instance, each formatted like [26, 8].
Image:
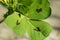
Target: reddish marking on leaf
[39, 10]
[37, 29]
[17, 22]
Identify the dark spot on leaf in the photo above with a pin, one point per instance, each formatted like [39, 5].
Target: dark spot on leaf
[37, 29]
[17, 22]
[39, 10]
[19, 15]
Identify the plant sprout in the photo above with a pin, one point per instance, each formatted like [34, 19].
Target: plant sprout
[29, 17]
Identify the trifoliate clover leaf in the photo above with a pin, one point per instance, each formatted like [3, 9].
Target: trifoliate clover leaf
[29, 19]
[20, 25]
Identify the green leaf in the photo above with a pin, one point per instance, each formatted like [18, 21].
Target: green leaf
[39, 11]
[31, 21]
[21, 28]
[39, 30]
[16, 23]
[30, 26]
[44, 27]
[34, 35]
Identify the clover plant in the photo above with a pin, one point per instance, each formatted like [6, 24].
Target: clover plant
[28, 18]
